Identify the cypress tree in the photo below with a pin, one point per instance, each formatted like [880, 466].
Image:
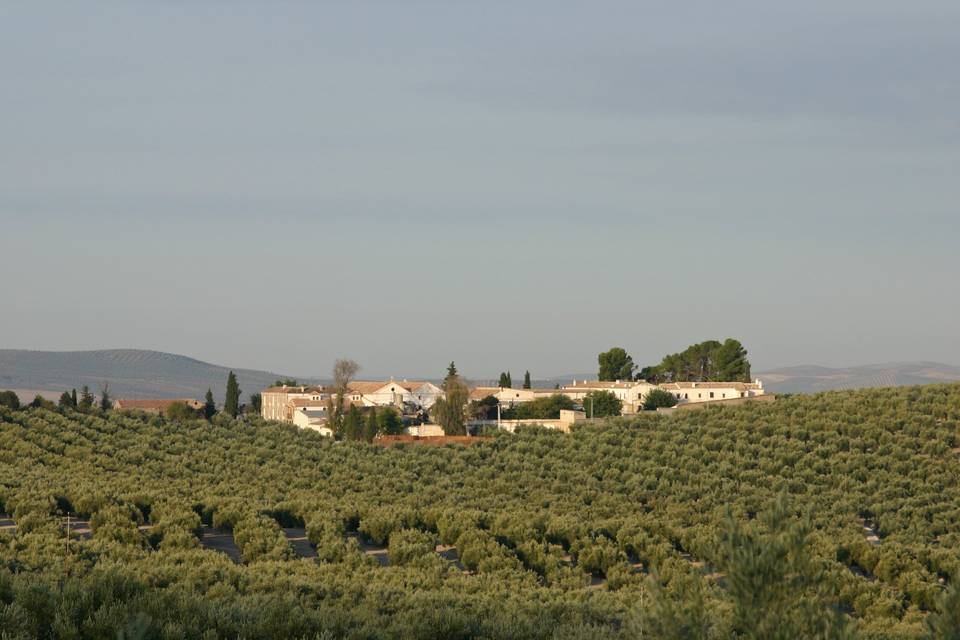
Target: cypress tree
[231, 404]
[526, 380]
[509, 381]
[372, 426]
[209, 406]
[73, 398]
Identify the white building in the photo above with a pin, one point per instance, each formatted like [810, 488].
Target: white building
[688, 392]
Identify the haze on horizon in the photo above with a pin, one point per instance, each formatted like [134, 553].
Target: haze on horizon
[509, 185]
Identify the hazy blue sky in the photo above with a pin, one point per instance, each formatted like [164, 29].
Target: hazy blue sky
[507, 184]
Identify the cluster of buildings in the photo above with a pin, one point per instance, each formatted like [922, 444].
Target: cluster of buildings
[306, 406]
[632, 393]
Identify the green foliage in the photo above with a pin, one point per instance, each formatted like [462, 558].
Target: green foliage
[39, 402]
[526, 380]
[505, 381]
[703, 362]
[86, 399]
[615, 364]
[540, 409]
[231, 404]
[412, 547]
[450, 411]
[106, 402]
[657, 398]
[9, 399]
[209, 406]
[182, 411]
[389, 422]
[602, 404]
[677, 520]
[66, 401]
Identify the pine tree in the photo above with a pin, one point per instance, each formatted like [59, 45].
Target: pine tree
[66, 402]
[209, 406]
[231, 404]
[86, 399]
[452, 371]
[526, 380]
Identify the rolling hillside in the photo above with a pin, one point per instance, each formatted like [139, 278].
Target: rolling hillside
[811, 379]
[131, 373]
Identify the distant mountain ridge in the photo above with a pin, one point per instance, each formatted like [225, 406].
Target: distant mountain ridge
[136, 373]
[814, 378]
[131, 373]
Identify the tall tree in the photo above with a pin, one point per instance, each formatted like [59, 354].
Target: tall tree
[343, 373]
[73, 398]
[731, 362]
[86, 399]
[448, 411]
[353, 424]
[106, 402]
[231, 403]
[505, 382]
[371, 426]
[615, 364]
[702, 362]
[209, 406]
[526, 380]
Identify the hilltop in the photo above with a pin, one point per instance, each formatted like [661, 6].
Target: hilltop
[132, 373]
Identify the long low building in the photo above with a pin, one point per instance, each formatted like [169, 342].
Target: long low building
[632, 393]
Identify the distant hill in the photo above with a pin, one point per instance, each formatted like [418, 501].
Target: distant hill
[811, 378]
[131, 373]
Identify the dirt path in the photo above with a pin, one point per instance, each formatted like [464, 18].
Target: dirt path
[449, 553]
[377, 551]
[297, 538]
[6, 522]
[220, 540]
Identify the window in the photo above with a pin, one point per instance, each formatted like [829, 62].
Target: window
[686, 396]
[711, 394]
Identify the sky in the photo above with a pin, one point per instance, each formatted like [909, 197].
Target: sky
[510, 185]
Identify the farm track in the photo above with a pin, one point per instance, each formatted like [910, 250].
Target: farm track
[297, 539]
[220, 540]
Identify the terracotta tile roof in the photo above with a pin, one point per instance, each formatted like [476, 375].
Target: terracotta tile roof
[304, 389]
[365, 386]
[479, 393]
